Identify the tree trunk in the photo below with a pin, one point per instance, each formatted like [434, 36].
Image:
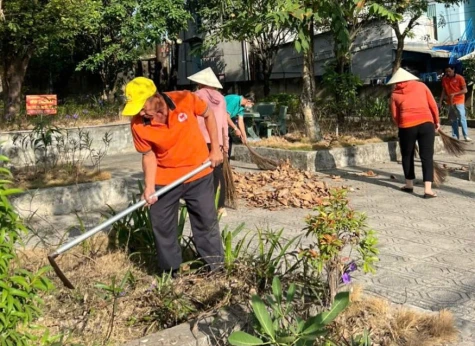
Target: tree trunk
[14, 70]
[267, 72]
[400, 47]
[307, 105]
[109, 82]
[399, 51]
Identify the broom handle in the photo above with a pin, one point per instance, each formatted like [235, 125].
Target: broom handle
[127, 211]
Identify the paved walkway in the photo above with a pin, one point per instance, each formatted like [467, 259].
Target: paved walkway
[427, 246]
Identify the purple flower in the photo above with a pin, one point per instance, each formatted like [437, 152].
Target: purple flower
[122, 294]
[346, 278]
[75, 116]
[352, 267]
[67, 116]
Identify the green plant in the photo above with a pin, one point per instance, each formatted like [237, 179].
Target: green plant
[232, 254]
[114, 291]
[376, 108]
[134, 231]
[334, 228]
[20, 303]
[278, 324]
[169, 303]
[361, 340]
[271, 256]
[47, 146]
[290, 100]
[344, 88]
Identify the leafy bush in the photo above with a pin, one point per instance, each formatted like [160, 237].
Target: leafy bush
[290, 100]
[336, 228]
[20, 303]
[376, 108]
[344, 88]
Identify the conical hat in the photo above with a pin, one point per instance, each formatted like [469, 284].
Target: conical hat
[206, 77]
[402, 75]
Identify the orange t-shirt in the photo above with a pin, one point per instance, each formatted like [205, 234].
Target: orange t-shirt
[453, 85]
[179, 145]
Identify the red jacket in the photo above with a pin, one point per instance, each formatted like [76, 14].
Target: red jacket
[412, 104]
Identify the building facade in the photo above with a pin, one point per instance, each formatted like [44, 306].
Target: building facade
[373, 55]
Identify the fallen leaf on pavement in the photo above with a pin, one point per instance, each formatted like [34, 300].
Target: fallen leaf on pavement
[286, 187]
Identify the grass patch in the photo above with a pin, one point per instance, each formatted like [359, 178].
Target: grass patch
[392, 324]
[28, 178]
[144, 306]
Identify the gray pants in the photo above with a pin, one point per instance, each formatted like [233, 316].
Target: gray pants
[199, 198]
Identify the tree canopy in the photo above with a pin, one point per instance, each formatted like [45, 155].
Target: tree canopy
[28, 27]
[122, 28]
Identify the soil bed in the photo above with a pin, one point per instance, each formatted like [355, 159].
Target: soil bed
[145, 303]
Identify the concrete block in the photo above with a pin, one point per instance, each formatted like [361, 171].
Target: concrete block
[299, 158]
[180, 335]
[70, 199]
[358, 155]
[209, 331]
[471, 171]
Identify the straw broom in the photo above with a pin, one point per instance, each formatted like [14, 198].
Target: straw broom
[230, 189]
[452, 145]
[261, 161]
[440, 173]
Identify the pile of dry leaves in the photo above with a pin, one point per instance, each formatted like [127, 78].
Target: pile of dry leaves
[284, 187]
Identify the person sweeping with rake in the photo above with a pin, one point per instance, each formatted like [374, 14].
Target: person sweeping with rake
[415, 112]
[208, 84]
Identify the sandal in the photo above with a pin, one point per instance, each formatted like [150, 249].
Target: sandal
[407, 189]
[428, 195]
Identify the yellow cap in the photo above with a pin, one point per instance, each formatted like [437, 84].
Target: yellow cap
[137, 92]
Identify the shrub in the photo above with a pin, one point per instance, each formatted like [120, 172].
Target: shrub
[334, 229]
[20, 304]
[290, 100]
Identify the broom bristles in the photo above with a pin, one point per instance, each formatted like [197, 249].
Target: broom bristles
[452, 145]
[261, 161]
[230, 198]
[440, 174]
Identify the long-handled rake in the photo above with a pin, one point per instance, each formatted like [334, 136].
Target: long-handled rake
[52, 257]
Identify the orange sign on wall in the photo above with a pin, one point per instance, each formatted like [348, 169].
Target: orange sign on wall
[41, 104]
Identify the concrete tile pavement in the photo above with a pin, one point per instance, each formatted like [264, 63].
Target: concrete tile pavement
[427, 246]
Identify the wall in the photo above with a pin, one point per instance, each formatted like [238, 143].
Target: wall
[372, 55]
[226, 59]
[455, 17]
[422, 33]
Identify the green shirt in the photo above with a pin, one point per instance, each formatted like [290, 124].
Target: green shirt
[233, 105]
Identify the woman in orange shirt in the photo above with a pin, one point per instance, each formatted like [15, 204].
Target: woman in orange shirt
[415, 112]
